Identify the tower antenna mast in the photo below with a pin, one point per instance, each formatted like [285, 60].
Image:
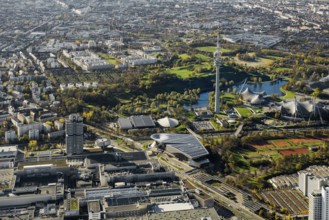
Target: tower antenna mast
[217, 62]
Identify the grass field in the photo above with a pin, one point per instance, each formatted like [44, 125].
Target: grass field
[282, 69]
[203, 57]
[271, 57]
[305, 141]
[125, 97]
[243, 112]
[186, 72]
[182, 72]
[212, 49]
[184, 56]
[260, 62]
[288, 94]
[227, 72]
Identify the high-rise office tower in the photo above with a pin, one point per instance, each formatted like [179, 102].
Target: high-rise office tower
[315, 206]
[217, 62]
[325, 203]
[319, 204]
[74, 134]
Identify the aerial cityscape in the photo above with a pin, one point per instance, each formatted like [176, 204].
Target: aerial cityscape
[164, 109]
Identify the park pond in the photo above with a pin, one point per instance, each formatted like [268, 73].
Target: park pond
[271, 87]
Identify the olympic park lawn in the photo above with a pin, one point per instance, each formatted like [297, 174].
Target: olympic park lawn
[212, 49]
[243, 112]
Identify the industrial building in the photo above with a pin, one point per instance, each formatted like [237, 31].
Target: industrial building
[136, 122]
[184, 146]
[99, 186]
[31, 185]
[206, 214]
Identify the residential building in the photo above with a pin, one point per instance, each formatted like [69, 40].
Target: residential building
[10, 136]
[34, 134]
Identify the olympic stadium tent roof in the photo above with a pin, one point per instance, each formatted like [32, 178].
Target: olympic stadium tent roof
[303, 109]
[168, 122]
[323, 83]
[254, 98]
[324, 79]
[185, 144]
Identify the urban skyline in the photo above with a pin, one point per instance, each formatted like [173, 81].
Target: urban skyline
[164, 109]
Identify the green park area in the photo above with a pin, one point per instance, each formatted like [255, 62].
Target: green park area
[192, 70]
[282, 70]
[183, 72]
[243, 112]
[212, 49]
[204, 58]
[254, 157]
[184, 56]
[262, 61]
[288, 94]
[259, 62]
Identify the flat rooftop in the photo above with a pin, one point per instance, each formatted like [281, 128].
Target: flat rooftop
[209, 213]
[138, 121]
[117, 157]
[57, 163]
[173, 207]
[94, 206]
[12, 148]
[7, 178]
